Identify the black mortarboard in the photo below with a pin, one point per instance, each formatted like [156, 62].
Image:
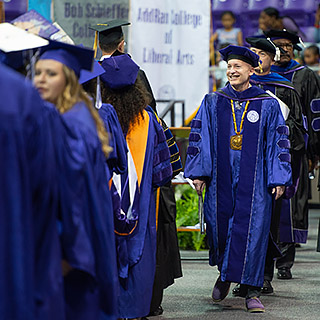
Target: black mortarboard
[265, 44]
[110, 30]
[262, 44]
[284, 34]
[241, 53]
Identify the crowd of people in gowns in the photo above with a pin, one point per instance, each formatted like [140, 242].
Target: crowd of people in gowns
[79, 187]
[87, 206]
[266, 122]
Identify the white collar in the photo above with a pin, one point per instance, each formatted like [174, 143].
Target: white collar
[105, 57]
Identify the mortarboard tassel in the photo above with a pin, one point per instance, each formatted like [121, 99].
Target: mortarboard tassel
[32, 58]
[302, 43]
[95, 44]
[277, 56]
[98, 103]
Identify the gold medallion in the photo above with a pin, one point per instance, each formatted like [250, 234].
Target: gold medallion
[236, 142]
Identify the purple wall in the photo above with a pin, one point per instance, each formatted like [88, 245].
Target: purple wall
[247, 12]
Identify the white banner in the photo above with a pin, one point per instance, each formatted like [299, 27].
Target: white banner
[169, 40]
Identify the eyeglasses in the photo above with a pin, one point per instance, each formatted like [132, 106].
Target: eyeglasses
[284, 45]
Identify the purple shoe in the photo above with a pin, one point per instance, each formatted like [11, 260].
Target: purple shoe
[254, 305]
[220, 290]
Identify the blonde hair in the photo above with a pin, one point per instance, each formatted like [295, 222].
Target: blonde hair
[74, 93]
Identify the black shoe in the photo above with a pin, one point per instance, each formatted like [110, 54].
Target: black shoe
[156, 312]
[284, 274]
[267, 287]
[238, 291]
[220, 290]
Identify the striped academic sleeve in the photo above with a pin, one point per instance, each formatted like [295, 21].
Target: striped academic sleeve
[175, 159]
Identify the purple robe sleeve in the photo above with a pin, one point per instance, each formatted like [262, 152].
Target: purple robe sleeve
[199, 153]
[278, 158]
[117, 160]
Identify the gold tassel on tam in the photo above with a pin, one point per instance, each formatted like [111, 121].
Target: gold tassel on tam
[95, 44]
[260, 66]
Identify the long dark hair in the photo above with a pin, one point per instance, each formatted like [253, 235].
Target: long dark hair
[129, 102]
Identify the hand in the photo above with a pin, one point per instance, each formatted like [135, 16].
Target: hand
[279, 190]
[316, 162]
[317, 17]
[199, 185]
[313, 164]
[66, 268]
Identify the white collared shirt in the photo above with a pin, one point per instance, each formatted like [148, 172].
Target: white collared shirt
[105, 57]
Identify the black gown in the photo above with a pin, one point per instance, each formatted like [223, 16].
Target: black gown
[285, 91]
[168, 262]
[307, 84]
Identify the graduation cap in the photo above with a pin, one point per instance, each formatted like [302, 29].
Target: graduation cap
[17, 46]
[33, 22]
[61, 35]
[75, 57]
[285, 34]
[13, 39]
[241, 53]
[108, 31]
[86, 75]
[121, 71]
[265, 44]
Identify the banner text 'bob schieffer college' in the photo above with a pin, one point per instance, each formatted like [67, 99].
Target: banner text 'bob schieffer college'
[95, 11]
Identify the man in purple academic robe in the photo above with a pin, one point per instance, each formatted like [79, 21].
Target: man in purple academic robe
[239, 150]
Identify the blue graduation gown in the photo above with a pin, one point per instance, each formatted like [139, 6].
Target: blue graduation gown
[88, 241]
[238, 198]
[30, 257]
[125, 219]
[117, 160]
[138, 249]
